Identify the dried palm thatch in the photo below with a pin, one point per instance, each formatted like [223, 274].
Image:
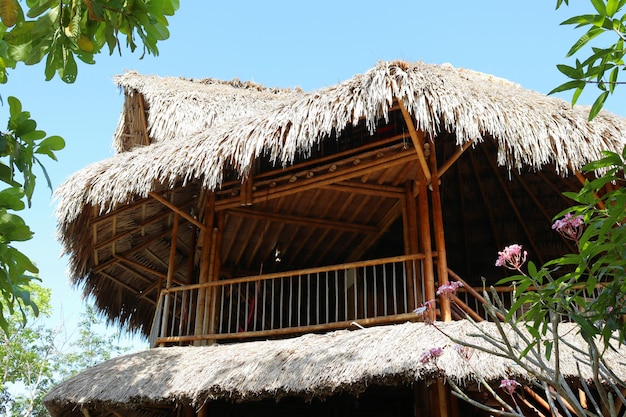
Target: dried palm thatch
[529, 128]
[173, 108]
[310, 366]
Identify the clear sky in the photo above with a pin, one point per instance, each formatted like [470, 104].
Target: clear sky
[307, 44]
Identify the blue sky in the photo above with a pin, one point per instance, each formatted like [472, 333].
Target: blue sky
[307, 44]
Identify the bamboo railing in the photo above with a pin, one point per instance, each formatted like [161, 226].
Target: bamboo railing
[316, 299]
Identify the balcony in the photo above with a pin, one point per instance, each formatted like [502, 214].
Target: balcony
[288, 303]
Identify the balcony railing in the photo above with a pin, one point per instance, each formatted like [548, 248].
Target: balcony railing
[369, 292]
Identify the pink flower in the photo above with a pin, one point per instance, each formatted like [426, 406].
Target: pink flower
[509, 385]
[430, 355]
[421, 310]
[464, 351]
[449, 288]
[512, 257]
[569, 226]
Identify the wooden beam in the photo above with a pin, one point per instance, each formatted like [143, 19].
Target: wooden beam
[139, 248]
[367, 189]
[417, 138]
[176, 209]
[153, 219]
[141, 266]
[263, 194]
[304, 221]
[442, 170]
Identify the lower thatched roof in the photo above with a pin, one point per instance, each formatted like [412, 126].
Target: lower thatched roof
[309, 366]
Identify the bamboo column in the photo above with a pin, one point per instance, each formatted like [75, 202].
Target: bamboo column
[426, 244]
[411, 246]
[171, 266]
[215, 271]
[440, 241]
[205, 255]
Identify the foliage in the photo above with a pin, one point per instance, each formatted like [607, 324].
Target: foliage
[56, 32]
[602, 66]
[587, 287]
[34, 356]
[21, 146]
[598, 267]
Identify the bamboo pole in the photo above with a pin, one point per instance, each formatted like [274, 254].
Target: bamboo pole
[440, 241]
[417, 138]
[442, 394]
[207, 227]
[411, 246]
[262, 194]
[425, 240]
[176, 209]
[170, 275]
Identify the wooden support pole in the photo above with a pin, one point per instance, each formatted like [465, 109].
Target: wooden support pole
[411, 246]
[442, 396]
[418, 140]
[440, 241]
[171, 267]
[425, 240]
[205, 258]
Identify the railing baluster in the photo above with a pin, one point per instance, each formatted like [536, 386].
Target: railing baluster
[299, 295]
[385, 312]
[282, 306]
[308, 299]
[271, 307]
[327, 301]
[405, 283]
[375, 292]
[336, 296]
[395, 290]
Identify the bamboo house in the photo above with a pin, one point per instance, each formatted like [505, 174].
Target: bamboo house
[272, 244]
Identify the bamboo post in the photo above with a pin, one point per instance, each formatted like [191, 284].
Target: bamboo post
[426, 244]
[442, 396]
[440, 241]
[209, 219]
[215, 275]
[170, 275]
[411, 246]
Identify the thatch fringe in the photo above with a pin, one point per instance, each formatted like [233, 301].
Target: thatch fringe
[530, 129]
[310, 366]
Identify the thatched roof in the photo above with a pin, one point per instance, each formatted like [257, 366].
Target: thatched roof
[530, 129]
[310, 366]
[210, 135]
[174, 108]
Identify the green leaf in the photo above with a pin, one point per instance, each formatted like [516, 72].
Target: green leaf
[13, 228]
[598, 104]
[11, 198]
[578, 84]
[611, 7]
[589, 35]
[40, 8]
[599, 6]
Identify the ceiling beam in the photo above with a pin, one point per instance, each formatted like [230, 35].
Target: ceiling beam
[177, 210]
[304, 221]
[322, 176]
